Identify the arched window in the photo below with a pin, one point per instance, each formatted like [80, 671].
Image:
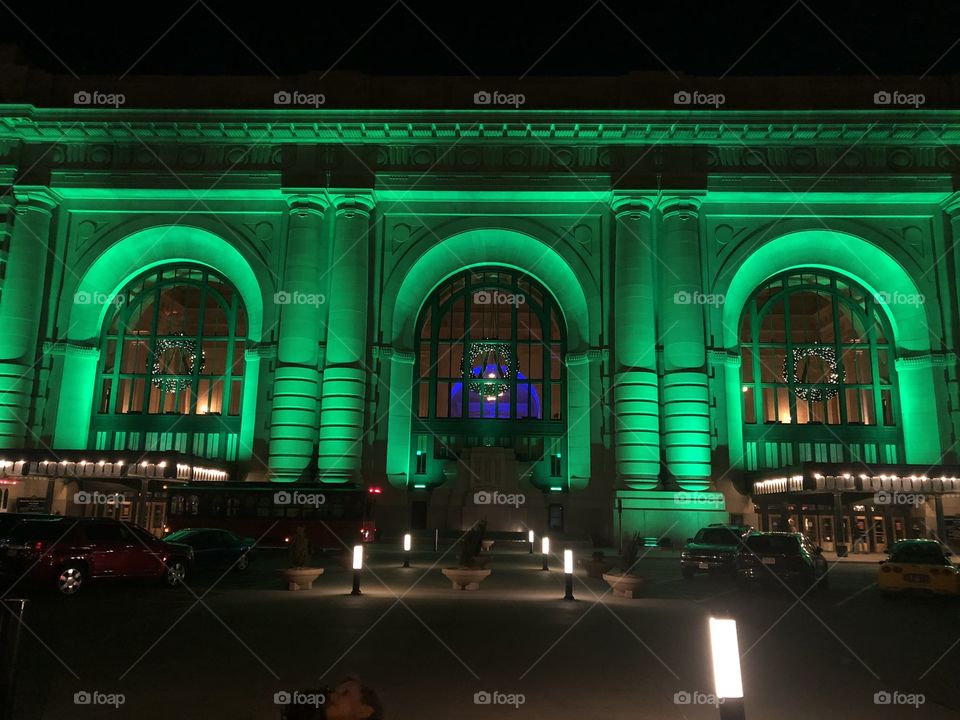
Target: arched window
[489, 367]
[172, 361]
[818, 380]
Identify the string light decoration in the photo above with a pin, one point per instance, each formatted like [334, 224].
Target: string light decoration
[828, 388]
[490, 385]
[191, 355]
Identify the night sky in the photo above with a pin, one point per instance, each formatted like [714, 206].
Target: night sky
[602, 37]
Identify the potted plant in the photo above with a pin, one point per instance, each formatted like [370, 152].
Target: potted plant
[300, 575]
[626, 583]
[471, 570]
[597, 565]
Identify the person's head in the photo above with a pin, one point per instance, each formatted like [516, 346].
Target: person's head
[352, 700]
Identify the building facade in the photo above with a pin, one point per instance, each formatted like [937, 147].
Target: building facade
[589, 321]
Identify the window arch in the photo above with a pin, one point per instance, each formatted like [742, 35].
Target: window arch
[489, 366]
[818, 378]
[171, 365]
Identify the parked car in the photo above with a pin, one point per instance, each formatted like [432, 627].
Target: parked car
[10, 520]
[713, 549]
[792, 558]
[215, 547]
[69, 552]
[918, 566]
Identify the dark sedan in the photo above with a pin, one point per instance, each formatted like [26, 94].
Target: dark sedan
[779, 558]
[215, 547]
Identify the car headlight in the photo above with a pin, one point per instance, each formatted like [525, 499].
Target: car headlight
[684, 554]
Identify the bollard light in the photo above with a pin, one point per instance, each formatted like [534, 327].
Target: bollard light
[407, 543]
[545, 550]
[568, 574]
[727, 679]
[357, 566]
[530, 540]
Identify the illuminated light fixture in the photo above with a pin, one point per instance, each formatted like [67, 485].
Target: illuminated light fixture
[357, 567]
[745, 388]
[725, 655]
[162, 464]
[545, 551]
[556, 488]
[530, 540]
[568, 574]
[407, 544]
[375, 490]
[419, 486]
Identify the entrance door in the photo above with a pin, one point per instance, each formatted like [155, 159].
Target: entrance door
[879, 534]
[861, 534]
[899, 530]
[827, 540]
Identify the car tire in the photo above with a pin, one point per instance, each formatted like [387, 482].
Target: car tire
[175, 573]
[71, 579]
[687, 573]
[242, 563]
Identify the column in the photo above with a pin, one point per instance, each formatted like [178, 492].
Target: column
[345, 373]
[918, 409]
[77, 386]
[635, 391]
[293, 425]
[686, 405]
[579, 407]
[22, 299]
[400, 418]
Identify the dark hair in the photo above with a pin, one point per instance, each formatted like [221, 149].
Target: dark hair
[369, 697]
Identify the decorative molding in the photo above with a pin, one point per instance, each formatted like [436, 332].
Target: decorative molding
[266, 351]
[925, 361]
[724, 357]
[388, 353]
[62, 348]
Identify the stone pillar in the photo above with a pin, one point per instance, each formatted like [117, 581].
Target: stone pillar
[22, 298]
[400, 417]
[579, 406]
[293, 425]
[636, 391]
[918, 409]
[76, 395]
[345, 373]
[686, 405]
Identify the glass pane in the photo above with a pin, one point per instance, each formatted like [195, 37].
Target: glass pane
[749, 409]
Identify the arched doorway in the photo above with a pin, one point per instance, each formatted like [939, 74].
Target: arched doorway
[490, 397]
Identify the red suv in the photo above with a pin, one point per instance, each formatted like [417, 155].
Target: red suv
[71, 551]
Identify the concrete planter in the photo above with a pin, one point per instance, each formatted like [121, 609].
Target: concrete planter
[595, 568]
[627, 586]
[465, 578]
[300, 578]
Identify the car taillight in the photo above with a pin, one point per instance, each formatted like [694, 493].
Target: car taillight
[38, 546]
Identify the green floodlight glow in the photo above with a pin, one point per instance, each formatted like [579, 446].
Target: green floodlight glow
[556, 488]
[419, 486]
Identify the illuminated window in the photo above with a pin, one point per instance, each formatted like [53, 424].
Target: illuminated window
[817, 363]
[172, 362]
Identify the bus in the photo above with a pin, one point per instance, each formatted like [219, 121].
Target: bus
[333, 516]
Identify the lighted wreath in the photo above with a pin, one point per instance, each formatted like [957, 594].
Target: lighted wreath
[191, 355]
[825, 390]
[477, 362]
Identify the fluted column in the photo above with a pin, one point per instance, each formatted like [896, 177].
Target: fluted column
[686, 404]
[21, 300]
[636, 391]
[293, 425]
[345, 372]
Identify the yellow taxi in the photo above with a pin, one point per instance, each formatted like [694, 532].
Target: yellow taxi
[921, 566]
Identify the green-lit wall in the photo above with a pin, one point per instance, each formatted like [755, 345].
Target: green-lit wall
[650, 260]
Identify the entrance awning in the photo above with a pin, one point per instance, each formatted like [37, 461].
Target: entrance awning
[819, 478]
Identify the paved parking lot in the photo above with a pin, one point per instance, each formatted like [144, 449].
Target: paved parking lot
[222, 649]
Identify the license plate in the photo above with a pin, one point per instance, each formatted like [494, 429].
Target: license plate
[917, 578]
[703, 566]
[768, 561]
